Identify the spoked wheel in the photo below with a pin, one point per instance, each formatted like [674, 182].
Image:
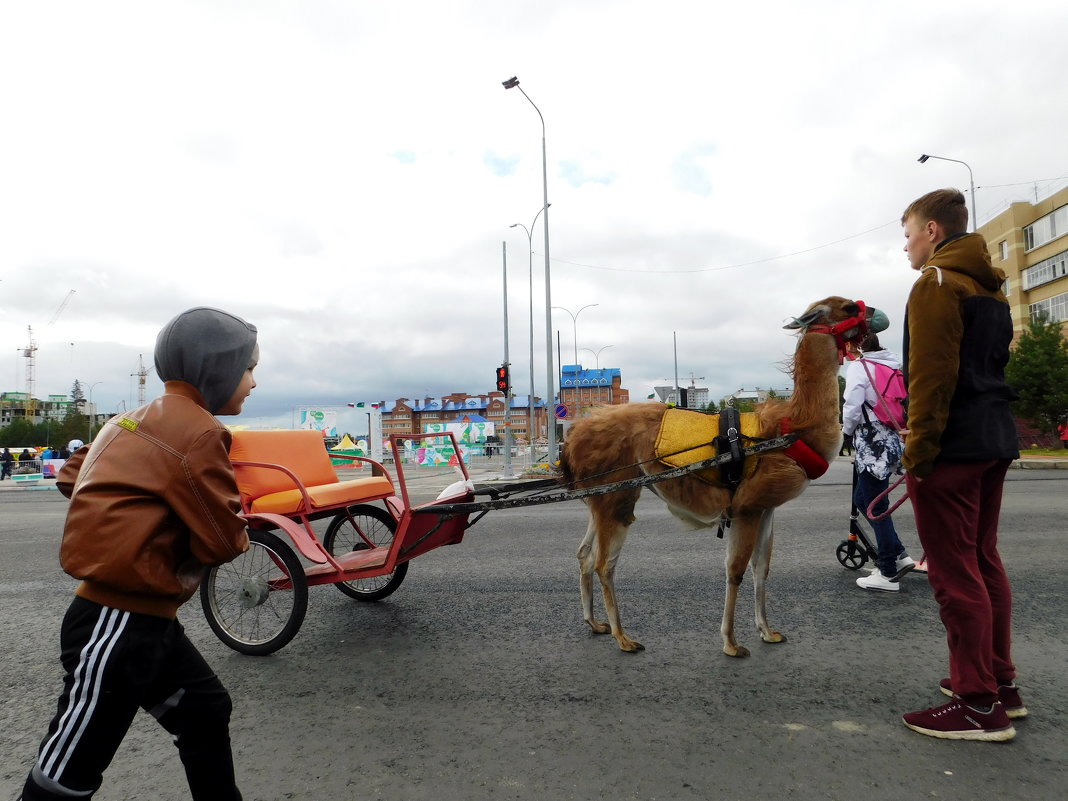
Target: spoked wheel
[256, 603]
[358, 528]
[852, 554]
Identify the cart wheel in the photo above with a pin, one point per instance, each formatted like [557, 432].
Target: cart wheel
[851, 554]
[256, 603]
[358, 528]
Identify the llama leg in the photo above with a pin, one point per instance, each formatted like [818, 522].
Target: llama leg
[586, 557]
[609, 544]
[743, 533]
[761, 566]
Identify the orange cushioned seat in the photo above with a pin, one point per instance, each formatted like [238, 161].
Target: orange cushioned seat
[265, 489]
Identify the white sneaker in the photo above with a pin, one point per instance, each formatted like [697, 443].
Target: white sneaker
[877, 581]
[904, 565]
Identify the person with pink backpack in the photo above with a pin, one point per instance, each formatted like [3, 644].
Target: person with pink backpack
[872, 415]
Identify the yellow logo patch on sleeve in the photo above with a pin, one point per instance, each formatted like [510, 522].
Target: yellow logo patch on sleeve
[127, 423]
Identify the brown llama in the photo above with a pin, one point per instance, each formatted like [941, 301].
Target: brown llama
[618, 442]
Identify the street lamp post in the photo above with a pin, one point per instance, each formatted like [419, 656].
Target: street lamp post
[92, 409]
[574, 335]
[971, 180]
[596, 354]
[530, 295]
[597, 360]
[550, 384]
[574, 323]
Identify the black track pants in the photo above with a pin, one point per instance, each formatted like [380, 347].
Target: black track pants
[116, 662]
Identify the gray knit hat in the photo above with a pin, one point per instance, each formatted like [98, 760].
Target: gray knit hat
[208, 348]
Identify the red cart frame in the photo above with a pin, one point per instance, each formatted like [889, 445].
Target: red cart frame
[257, 603]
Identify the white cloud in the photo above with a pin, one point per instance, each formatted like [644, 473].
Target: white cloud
[343, 175]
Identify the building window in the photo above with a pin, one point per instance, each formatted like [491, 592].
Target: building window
[1046, 270]
[1046, 229]
[1003, 249]
[1054, 309]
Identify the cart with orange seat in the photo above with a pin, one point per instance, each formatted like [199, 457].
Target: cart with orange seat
[257, 603]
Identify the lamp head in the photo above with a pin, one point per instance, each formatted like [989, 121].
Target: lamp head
[511, 83]
[513, 225]
[923, 158]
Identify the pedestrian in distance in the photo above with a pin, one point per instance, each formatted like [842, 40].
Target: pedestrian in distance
[878, 449]
[153, 501]
[7, 464]
[960, 442]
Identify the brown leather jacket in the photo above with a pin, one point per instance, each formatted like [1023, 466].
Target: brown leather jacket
[152, 502]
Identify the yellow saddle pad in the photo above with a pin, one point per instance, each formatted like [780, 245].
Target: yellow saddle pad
[686, 437]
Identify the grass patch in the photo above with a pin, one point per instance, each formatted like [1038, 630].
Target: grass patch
[1044, 452]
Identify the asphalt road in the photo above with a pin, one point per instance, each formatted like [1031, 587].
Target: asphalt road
[479, 680]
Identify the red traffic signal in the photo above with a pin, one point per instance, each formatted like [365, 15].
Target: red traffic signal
[504, 383]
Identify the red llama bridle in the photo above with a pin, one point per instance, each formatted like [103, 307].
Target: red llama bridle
[839, 330]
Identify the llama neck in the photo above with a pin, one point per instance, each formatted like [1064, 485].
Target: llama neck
[814, 403]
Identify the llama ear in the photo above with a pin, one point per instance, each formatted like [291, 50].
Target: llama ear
[809, 317]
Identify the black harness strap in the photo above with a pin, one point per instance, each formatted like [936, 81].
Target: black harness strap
[730, 441]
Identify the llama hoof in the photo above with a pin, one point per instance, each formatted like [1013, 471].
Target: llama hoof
[599, 627]
[773, 637]
[629, 645]
[738, 651]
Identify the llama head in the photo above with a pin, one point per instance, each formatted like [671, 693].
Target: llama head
[846, 320]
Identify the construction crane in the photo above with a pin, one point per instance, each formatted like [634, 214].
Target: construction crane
[29, 352]
[62, 306]
[142, 374]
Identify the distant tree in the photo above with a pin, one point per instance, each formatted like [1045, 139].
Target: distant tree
[77, 394]
[1038, 371]
[20, 432]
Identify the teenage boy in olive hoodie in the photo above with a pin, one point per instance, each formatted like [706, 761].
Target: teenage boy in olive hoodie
[153, 500]
[961, 440]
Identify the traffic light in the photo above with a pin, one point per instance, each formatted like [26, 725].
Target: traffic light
[504, 382]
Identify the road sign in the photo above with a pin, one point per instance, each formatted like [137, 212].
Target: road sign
[561, 411]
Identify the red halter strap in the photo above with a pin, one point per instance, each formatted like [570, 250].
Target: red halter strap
[838, 330]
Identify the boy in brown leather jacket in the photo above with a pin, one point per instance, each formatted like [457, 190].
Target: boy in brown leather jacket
[153, 501]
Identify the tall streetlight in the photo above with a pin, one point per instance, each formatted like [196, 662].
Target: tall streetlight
[596, 354]
[922, 159]
[92, 409]
[550, 383]
[574, 323]
[530, 281]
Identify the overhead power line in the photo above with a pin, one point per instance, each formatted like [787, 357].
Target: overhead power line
[725, 266]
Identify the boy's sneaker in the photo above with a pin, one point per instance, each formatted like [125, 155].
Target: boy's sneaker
[904, 565]
[958, 721]
[1008, 696]
[877, 581]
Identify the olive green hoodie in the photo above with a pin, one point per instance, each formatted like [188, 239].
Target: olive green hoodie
[957, 334]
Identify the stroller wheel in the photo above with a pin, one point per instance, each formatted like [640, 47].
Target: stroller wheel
[851, 554]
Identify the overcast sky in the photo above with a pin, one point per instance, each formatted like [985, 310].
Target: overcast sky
[343, 175]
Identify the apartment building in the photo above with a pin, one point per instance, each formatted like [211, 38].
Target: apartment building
[1029, 241]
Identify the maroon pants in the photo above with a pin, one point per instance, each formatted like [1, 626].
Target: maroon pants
[957, 509]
